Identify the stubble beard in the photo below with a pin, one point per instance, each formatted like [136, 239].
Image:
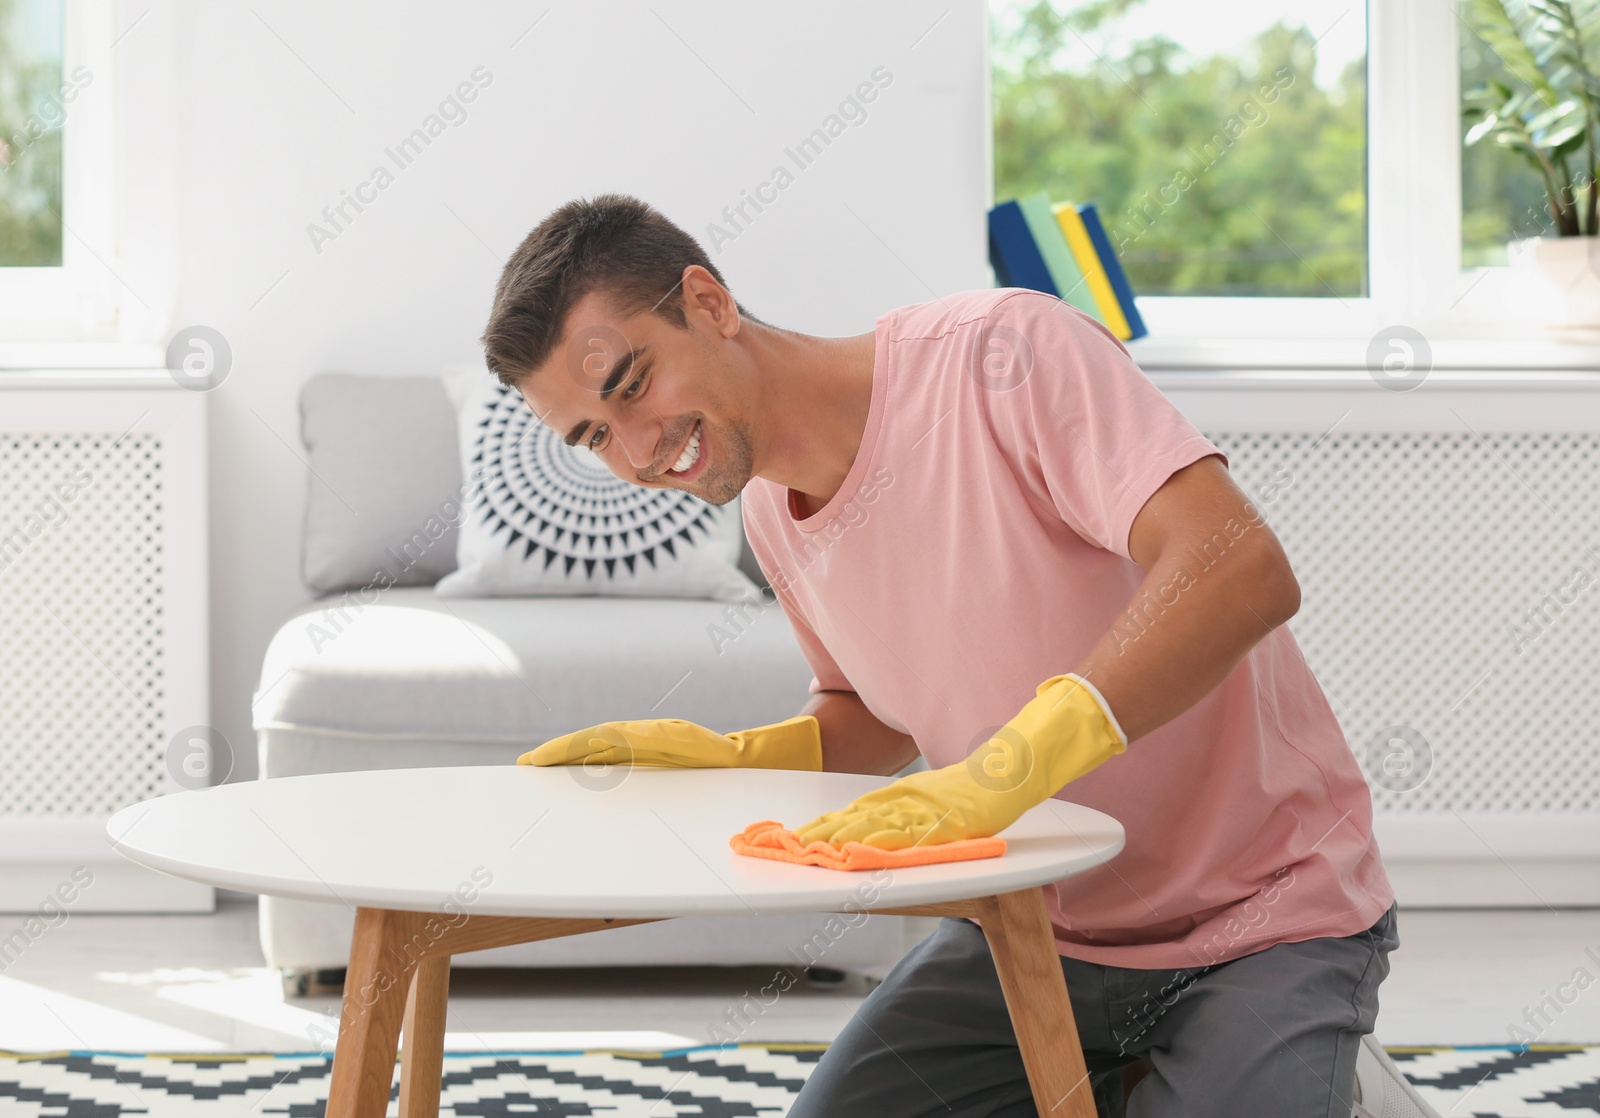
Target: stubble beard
[726, 478]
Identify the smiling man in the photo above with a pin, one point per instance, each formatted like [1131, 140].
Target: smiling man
[1001, 548]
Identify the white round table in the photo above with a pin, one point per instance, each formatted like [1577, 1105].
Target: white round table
[443, 860]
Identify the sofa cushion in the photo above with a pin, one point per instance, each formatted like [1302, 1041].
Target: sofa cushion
[383, 498]
[550, 519]
[408, 665]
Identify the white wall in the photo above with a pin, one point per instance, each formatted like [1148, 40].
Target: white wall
[278, 106]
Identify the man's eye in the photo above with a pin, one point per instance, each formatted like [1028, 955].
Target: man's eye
[633, 389]
[592, 441]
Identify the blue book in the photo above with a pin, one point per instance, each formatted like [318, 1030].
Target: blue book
[1001, 275]
[1113, 266]
[1016, 257]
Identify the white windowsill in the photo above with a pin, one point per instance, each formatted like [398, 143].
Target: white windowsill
[29, 357]
[1530, 361]
[1500, 354]
[1359, 380]
[20, 380]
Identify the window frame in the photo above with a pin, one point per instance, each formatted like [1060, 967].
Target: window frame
[1413, 166]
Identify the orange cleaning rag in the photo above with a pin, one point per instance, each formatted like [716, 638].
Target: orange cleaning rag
[769, 839]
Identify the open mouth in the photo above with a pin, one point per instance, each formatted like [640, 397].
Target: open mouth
[692, 460]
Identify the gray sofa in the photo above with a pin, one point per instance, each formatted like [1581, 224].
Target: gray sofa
[378, 672]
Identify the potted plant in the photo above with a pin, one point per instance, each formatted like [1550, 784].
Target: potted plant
[1547, 113]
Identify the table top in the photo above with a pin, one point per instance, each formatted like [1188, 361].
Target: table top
[564, 842]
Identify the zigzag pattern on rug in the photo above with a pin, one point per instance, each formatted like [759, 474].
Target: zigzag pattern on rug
[743, 1081]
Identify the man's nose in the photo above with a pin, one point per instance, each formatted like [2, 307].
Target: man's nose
[639, 442]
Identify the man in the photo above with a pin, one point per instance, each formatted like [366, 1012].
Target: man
[1000, 547]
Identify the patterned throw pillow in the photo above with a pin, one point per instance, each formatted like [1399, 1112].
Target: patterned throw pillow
[544, 518]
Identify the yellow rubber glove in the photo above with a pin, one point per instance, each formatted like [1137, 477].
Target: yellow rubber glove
[1064, 731]
[795, 743]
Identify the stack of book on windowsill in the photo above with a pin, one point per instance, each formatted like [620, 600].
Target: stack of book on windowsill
[1062, 249]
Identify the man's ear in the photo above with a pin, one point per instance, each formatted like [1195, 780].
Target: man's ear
[703, 294]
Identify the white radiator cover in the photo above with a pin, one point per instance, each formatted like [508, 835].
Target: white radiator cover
[1422, 557]
[103, 607]
[1447, 545]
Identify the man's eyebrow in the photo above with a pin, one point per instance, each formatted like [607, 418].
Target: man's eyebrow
[614, 378]
[620, 370]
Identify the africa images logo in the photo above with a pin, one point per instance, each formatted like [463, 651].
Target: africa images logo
[561, 502]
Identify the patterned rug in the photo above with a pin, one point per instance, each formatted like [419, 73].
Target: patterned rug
[747, 1081]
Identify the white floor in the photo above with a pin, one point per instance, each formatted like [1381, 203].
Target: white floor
[197, 984]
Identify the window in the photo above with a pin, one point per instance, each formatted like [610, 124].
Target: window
[58, 248]
[31, 114]
[1502, 198]
[1332, 210]
[1226, 155]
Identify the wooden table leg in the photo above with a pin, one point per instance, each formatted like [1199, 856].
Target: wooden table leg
[376, 984]
[1024, 947]
[387, 949]
[422, 1038]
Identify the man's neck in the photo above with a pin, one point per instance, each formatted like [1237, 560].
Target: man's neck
[813, 403]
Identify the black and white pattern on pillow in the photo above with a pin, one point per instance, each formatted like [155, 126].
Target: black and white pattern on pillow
[545, 518]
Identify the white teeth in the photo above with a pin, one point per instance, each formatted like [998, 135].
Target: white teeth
[691, 453]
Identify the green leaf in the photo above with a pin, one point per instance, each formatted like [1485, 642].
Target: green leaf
[1555, 114]
[1564, 141]
[1513, 42]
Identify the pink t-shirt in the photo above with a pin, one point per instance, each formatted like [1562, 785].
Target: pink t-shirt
[979, 546]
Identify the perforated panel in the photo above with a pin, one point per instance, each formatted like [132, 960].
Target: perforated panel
[1449, 598]
[81, 691]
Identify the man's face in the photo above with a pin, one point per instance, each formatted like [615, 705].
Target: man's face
[648, 396]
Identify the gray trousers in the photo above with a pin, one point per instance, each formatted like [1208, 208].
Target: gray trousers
[1273, 1034]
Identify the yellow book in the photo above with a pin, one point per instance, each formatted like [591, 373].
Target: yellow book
[1094, 271]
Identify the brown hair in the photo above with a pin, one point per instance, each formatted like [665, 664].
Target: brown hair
[612, 243]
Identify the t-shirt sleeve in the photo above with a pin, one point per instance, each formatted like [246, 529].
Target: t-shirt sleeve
[825, 674]
[1080, 420]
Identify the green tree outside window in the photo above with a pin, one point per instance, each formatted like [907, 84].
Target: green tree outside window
[1204, 185]
[31, 117]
